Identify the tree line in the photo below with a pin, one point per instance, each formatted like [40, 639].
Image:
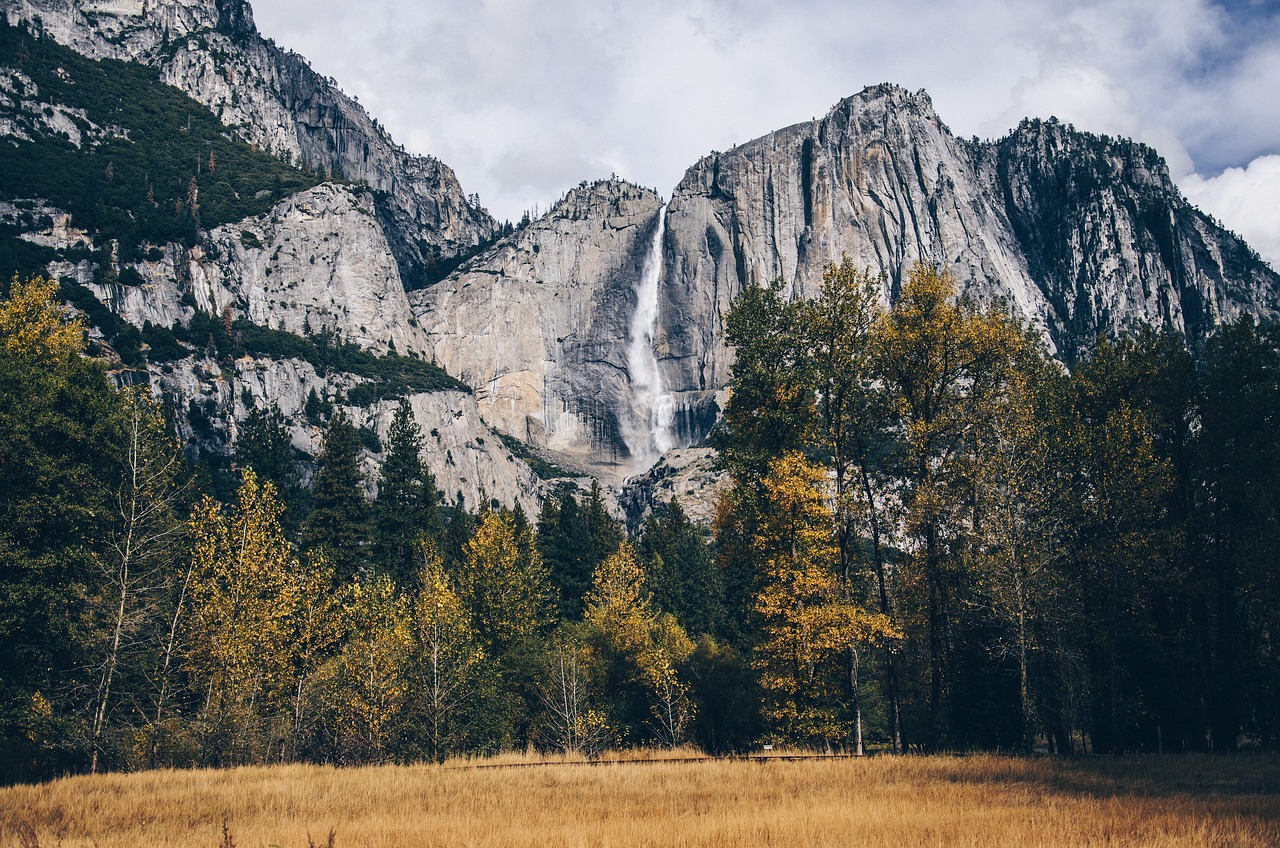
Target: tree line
[1083, 559]
[936, 538]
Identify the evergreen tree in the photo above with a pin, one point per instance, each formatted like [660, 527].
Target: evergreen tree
[1237, 531]
[58, 452]
[680, 571]
[339, 520]
[263, 444]
[603, 531]
[565, 544]
[406, 508]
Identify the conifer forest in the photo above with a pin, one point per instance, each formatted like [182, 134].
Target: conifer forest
[935, 537]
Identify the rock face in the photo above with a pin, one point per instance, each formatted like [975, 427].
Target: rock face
[211, 50]
[1078, 234]
[317, 261]
[539, 324]
[1110, 242]
[469, 462]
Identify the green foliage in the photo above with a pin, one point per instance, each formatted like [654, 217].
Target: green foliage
[392, 375]
[1060, 559]
[59, 443]
[263, 443]
[144, 145]
[573, 540]
[681, 573]
[338, 522]
[407, 508]
[545, 470]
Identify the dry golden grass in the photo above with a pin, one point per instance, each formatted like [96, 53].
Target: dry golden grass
[971, 801]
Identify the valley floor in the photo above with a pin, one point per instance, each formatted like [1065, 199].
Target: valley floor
[971, 801]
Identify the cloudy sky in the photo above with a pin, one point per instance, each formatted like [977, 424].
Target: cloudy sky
[526, 99]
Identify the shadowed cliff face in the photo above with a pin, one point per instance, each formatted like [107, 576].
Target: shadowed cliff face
[211, 50]
[1110, 241]
[538, 325]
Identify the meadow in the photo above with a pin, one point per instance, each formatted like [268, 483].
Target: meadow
[972, 801]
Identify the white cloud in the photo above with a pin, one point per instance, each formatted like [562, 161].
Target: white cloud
[523, 100]
[1246, 200]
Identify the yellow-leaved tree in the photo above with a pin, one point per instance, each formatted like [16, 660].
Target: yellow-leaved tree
[243, 594]
[315, 631]
[368, 682]
[504, 583]
[640, 646]
[807, 622]
[33, 325]
[446, 659]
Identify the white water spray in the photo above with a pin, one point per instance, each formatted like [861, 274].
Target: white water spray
[650, 432]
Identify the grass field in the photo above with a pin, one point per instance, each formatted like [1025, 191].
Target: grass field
[971, 801]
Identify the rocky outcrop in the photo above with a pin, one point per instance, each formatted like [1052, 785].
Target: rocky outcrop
[538, 325]
[469, 462]
[1112, 244]
[692, 475]
[1079, 235]
[317, 261]
[211, 50]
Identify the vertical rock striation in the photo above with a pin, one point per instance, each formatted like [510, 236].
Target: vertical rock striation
[539, 324]
[1077, 234]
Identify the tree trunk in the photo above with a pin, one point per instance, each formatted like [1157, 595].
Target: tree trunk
[877, 554]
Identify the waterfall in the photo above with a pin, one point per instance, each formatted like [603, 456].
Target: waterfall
[650, 432]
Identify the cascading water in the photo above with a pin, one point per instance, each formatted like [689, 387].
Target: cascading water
[650, 431]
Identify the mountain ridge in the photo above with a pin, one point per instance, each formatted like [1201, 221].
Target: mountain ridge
[1080, 235]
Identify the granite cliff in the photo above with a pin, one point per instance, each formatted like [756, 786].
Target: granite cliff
[594, 333]
[1078, 234]
[270, 97]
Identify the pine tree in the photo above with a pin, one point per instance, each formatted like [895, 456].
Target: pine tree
[406, 508]
[263, 443]
[566, 546]
[339, 520]
[680, 571]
